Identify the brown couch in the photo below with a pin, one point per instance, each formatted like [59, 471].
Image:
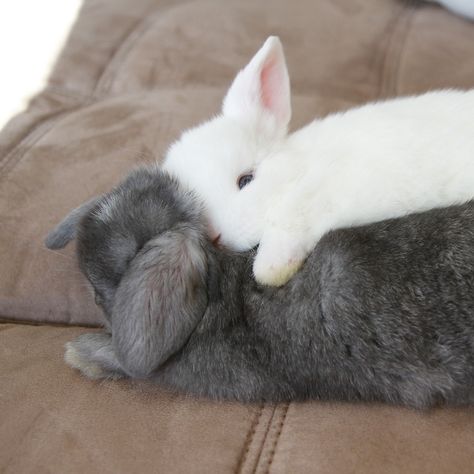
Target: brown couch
[133, 74]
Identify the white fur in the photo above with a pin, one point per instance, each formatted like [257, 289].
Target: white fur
[90, 369]
[374, 162]
[461, 7]
[32, 34]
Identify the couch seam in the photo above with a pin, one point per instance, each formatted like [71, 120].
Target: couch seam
[118, 57]
[111, 70]
[393, 51]
[407, 27]
[249, 438]
[41, 128]
[265, 436]
[29, 322]
[67, 93]
[387, 51]
[277, 437]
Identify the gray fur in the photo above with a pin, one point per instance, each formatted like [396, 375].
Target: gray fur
[65, 231]
[383, 312]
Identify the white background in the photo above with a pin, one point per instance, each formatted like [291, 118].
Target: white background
[32, 33]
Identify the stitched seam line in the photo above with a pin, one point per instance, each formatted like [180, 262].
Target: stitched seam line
[52, 324]
[265, 436]
[277, 437]
[249, 438]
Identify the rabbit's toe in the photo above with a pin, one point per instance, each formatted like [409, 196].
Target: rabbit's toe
[275, 273]
[280, 255]
[87, 367]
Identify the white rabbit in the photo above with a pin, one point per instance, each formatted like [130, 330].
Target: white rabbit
[283, 192]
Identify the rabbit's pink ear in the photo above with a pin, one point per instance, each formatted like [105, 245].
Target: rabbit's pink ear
[262, 87]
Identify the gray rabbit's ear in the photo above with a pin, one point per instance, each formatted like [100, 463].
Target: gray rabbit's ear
[66, 230]
[160, 300]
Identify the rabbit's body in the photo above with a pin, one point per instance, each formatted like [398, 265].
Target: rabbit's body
[378, 161]
[377, 313]
[346, 327]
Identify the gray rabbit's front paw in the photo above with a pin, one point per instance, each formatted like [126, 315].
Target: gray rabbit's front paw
[93, 356]
[89, 368]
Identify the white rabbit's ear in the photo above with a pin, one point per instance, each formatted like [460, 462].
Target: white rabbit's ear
[65, 231]
[262, 87]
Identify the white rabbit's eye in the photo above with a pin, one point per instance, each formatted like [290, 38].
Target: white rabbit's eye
[244, 179]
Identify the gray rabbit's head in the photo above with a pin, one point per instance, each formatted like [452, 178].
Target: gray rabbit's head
[143, 247]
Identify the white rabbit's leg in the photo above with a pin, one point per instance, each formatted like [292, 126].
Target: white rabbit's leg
[280, 254]
[93, 355]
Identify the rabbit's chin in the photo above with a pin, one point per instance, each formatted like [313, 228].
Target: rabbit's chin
[240, 231]
[236, 245]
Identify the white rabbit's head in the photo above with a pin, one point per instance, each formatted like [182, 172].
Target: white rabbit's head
[220, 158]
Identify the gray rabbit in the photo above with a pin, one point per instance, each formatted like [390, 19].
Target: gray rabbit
[383, 312]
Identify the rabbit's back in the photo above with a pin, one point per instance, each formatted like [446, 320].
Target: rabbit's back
[381, 312]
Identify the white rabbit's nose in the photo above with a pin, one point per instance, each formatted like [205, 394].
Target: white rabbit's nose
[215, 240]
[213, 234]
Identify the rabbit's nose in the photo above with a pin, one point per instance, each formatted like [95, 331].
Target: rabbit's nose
[215, 240]
[213, 234]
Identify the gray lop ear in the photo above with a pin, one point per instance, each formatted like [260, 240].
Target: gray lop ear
[65, 231]
[160, 300]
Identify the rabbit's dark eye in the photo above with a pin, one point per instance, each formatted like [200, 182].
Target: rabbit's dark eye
[244, 179]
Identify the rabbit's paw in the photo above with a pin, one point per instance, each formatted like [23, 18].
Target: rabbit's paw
[278, 258]
[88, 368]
[91, 354]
